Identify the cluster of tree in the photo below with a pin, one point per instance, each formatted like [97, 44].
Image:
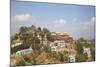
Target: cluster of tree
[81, 58]
[20, 47]
[29, 37]
[80, 43]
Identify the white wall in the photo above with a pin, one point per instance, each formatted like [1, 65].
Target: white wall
[5, 33]
[89, 2]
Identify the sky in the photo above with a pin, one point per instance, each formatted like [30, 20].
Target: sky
[77, 20]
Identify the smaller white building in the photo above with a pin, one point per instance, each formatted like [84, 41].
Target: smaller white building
[87, 51]
[71, 59]
[54, 48]
[24, 52]
[45, 40]
[57, 44]
[53, 34]
[40, 38]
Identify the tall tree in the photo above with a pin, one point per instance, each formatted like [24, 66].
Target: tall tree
[45, 30]
[39, 29]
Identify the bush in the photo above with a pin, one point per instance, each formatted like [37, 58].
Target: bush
[18, 48]
[82, 58]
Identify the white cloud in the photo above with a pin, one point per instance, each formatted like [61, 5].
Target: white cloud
[59, 23]
[19, 20]
[93, 20]
[89, 23]
[84, 29]
[22, 17]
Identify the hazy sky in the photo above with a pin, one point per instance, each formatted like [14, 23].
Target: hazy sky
[77, 20]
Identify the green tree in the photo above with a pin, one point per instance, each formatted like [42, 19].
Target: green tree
[39, 29]
[47, 48]
[80, 43]
[81, 58]
[93, 51]
[23, 29]
[45, 30]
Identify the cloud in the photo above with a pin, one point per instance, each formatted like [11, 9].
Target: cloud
[84, 29]
[19, 20]
[22, 17]
[91, 22]
[93, 19]
[59, 23]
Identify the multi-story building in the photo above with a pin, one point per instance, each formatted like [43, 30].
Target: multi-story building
[24, 52]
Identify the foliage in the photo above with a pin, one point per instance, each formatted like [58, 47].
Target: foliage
[18, 61]
[80, 43]
[47, 48]
[93, 52]
[81, 58]
[20, 47]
